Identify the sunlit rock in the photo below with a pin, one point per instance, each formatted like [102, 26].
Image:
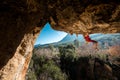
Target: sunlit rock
[18, 19]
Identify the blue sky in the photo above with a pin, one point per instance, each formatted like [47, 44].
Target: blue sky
[49, 35]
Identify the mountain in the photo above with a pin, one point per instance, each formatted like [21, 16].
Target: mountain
[108, 37]
[111, 39]
[70, 38]
[67, 39]
[101, 38]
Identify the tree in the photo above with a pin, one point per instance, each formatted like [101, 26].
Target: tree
[67, 59]
[67, 51]
[76, 43]
[51, 47]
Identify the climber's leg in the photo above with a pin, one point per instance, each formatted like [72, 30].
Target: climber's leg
[88, 39]
[95, 44]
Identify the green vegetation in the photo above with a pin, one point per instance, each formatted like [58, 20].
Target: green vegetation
[67, 51]
[42, 68]
[68, 62]
[77, 43]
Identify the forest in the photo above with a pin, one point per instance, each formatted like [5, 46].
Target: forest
[75, 61]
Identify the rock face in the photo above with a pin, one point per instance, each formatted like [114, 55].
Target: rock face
[90, 16]
[16, 67]
[19, 18]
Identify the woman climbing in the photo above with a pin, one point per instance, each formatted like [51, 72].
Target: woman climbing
[88, 39]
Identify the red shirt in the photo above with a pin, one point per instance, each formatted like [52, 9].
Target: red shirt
[88, 39]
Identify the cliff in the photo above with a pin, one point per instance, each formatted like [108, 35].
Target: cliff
[22, 20]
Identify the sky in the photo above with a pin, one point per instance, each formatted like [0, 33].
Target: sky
[49, 35]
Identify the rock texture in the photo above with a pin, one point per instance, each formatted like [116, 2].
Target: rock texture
[19, 18]
[16, 67]
[90, 16]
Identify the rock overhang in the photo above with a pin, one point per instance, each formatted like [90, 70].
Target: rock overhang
[18, 21]
[87, 16]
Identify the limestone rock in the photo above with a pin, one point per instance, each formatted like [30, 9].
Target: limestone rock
[18, 19]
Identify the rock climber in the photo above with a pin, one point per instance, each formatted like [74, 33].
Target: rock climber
[88, 39]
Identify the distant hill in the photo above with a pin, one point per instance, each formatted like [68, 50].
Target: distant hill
[101, 38]
[107, 37]
[70, 38]
[110, 39]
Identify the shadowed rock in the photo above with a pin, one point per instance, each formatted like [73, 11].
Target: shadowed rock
[21, 21]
